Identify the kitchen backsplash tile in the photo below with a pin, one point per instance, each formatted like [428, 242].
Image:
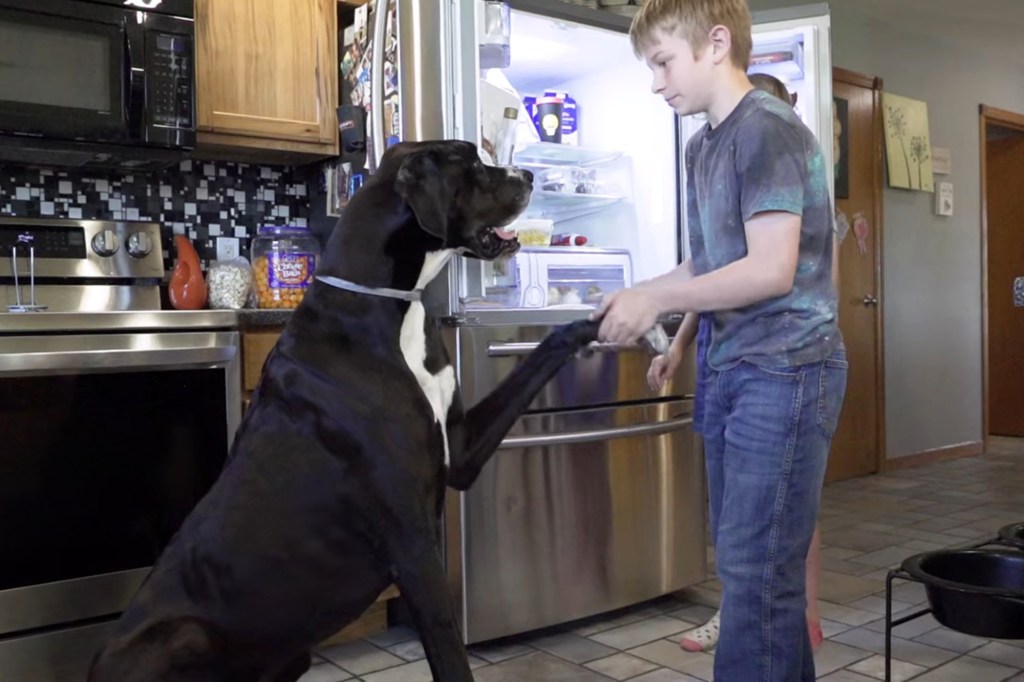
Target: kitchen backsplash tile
[203, 200]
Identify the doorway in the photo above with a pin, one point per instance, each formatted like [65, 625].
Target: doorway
[1002, 204]
[858, 446]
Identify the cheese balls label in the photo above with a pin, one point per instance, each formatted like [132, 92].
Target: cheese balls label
[290, 270]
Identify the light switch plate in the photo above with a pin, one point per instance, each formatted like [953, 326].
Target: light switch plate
[227, 248]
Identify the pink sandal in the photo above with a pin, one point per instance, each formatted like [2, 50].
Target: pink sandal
[817, 636]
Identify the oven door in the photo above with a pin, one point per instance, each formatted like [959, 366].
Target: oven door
[109, 441]
[63, 69]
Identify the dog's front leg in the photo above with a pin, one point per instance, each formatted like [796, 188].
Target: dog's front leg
[419, 574]
[475, 435]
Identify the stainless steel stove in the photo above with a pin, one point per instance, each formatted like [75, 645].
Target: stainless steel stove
[115, 417]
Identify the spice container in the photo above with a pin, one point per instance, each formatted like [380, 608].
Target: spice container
[284, 260]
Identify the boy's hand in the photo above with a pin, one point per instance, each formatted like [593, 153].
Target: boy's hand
[626, 315]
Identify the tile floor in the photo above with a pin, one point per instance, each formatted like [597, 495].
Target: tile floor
[868, 525]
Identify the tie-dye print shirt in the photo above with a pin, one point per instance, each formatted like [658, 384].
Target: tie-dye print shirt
[763, 158]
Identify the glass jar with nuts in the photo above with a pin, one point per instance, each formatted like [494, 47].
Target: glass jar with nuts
[283, 262]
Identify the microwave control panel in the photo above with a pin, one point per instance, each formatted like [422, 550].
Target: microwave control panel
[171, 96]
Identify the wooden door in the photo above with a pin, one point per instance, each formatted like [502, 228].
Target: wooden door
[1004, 201]
[858, 446]
[265, 68]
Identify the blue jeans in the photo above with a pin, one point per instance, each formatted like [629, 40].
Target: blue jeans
[767, 434]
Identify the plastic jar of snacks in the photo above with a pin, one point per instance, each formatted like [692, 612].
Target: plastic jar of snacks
[283, 262]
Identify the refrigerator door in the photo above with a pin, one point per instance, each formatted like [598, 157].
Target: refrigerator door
[606, 375]
[411, 78]
[595, 499]
[795, 45]
[579, 513]
[613, 182]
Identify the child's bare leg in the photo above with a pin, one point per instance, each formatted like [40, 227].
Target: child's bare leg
[813, 573]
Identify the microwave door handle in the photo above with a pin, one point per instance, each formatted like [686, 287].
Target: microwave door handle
[133, 90]
[377, 141]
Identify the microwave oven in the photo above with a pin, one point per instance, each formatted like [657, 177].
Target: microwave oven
[96, 80]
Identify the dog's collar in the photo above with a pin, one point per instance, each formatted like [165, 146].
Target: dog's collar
[413, 296]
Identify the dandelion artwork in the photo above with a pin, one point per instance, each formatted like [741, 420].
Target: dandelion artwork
[907, 143]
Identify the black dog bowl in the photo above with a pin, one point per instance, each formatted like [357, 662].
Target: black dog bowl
[977, 592]
[1012, 535]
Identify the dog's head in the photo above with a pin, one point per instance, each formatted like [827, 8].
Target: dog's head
[456, 198]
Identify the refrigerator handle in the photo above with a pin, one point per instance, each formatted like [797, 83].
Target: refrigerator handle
[570, 437]
[501, 350]
[379, 144]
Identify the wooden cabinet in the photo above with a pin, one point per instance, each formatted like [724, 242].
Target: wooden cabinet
[256, 345]
[267, 78]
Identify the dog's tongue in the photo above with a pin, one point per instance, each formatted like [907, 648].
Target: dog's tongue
[505, 235]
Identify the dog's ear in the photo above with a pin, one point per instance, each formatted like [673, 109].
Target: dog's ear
[422, 185]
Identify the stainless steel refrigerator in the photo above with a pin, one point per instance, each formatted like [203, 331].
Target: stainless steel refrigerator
[596, 499]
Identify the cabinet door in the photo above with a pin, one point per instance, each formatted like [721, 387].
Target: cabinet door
[265, 68]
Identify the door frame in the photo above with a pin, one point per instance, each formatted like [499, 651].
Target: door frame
[875, 84]
[988, 116]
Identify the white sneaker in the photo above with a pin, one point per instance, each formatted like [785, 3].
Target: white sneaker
[702, 638]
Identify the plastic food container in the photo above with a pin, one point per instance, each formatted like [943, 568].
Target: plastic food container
[534, 231]
[283, 261]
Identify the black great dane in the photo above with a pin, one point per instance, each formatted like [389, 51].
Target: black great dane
[334, 484]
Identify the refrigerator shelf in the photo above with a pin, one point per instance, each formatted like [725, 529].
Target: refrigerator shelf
[564, 206]
[553, 154]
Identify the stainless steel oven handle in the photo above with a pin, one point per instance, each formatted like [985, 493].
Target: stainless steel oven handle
[615, 433]
[500, 350]
[49, 362]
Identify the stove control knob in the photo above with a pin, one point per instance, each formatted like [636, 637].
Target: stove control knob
[106, 243]
[139, 244]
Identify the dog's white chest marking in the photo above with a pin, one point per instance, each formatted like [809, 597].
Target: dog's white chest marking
[438, 388]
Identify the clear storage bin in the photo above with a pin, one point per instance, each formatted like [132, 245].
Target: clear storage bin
[283, 261]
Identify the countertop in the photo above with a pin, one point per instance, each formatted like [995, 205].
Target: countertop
[254, 318]
[140, 320]
[123, 321]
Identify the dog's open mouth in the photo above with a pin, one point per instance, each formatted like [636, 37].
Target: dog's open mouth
[492, 242]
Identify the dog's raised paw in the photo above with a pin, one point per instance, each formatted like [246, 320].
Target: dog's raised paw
[576, 335]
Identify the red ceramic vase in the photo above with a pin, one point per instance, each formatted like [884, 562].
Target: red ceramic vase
[187, 289]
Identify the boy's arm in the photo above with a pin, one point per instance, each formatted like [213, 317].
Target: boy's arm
[686, 333]
[767, 271]
[680, 273]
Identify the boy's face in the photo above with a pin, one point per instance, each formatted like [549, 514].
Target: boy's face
[684, 81]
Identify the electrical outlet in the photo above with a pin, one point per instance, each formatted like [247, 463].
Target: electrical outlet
[227, 248]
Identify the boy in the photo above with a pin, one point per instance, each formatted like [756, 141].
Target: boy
[760, 221]
[705, 637]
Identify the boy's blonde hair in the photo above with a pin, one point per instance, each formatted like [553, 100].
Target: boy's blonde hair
[693, 20]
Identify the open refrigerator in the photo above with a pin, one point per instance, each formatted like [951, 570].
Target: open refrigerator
[596, 499]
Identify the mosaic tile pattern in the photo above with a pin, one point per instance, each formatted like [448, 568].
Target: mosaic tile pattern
[203, 200]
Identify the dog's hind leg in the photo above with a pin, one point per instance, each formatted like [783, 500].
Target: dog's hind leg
[420, 577]
[475, 435]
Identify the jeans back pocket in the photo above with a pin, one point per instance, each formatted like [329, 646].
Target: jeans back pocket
[832, 390]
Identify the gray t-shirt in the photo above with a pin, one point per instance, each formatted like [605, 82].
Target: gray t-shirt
[763, 158]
